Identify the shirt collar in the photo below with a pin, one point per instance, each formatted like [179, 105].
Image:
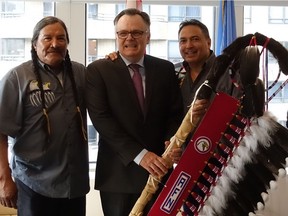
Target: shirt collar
[47, 67]
[140, 62]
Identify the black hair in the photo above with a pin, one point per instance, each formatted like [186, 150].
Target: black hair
[195, 22]
[132, 12]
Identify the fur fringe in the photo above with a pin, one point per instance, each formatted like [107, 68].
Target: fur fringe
[259, 135]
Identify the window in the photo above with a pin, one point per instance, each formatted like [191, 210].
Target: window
[10, 9]
[165, 20]
[48, 9]
[285, 93]
[173, 52]
[92, 50]
[92, 10]
[285, 44]
[18, 22]
[12, 49]
[179, 13]
[119, 8]
[12, 53]
[278, 15]
[278, 92]
[156, 12]
[247, 14]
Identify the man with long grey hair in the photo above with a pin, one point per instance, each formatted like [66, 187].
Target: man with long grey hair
[42, 108]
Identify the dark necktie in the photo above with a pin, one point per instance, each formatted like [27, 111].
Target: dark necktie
[137, 80]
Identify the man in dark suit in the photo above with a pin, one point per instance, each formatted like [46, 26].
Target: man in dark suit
[131, 138]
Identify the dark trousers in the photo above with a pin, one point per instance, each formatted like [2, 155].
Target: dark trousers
[121, 204]
[31, 203]
[117, 204]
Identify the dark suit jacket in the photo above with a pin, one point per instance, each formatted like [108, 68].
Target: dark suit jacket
[124, 131]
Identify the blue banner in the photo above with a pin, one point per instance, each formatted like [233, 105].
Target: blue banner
[226, 31]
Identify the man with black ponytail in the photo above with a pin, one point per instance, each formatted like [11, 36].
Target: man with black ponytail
[42, 109]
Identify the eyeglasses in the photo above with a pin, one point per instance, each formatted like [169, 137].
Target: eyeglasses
[135, 34]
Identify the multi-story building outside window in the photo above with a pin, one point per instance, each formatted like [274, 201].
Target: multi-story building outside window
[12, 49]
[17, 21]
[278, 15]
[247, 14]
[179, 13]
[165, 20]
[92, 11]
[48, 9]
[173, 52]
[11, 9]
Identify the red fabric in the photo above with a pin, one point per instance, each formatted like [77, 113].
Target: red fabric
[194, 159]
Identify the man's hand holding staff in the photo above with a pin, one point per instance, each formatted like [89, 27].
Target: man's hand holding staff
[172, 152]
